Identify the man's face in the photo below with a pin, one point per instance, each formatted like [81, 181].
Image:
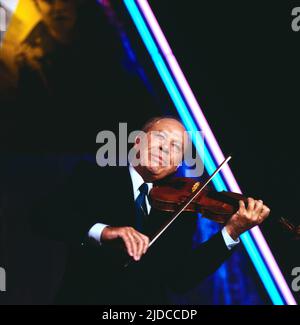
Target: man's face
[58, 15]
[163, 150]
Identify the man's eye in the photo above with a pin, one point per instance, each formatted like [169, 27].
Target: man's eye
[177, 147]
[160, 136]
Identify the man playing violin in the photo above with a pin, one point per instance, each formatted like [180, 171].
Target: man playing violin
[102, 206]
[172, 131]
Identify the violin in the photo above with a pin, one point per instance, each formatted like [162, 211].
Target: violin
[179, 194]
[169, 194]
[191, 198]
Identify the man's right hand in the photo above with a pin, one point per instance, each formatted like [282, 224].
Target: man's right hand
[136, 243]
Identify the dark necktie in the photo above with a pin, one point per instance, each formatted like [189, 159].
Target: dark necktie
[141, 207]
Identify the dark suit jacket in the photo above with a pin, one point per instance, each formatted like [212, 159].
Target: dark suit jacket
[95, 274]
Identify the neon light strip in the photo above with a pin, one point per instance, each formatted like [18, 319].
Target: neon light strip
[212, 142]
[187, 119]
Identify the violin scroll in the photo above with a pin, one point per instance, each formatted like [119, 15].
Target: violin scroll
[291, 228]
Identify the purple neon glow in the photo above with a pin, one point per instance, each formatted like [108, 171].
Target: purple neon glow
[212, 142]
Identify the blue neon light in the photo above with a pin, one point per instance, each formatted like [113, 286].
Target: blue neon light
[190, 125]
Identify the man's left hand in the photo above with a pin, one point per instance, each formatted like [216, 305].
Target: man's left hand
[247, 217]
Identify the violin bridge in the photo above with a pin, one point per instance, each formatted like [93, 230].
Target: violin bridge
[195, 186]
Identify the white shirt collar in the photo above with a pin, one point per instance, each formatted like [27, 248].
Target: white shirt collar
[137, 181]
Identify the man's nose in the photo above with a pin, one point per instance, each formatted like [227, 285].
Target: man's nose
[164, 147]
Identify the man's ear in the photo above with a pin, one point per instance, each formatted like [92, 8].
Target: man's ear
[137, 139]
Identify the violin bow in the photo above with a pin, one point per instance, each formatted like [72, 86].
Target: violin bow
[183, 206]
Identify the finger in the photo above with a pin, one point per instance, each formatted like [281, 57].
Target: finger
[133, 245]
[242, 204]
[145, 240]
[262, 216]
[146, 243]
[258, 206]
[140, 244]
[251, 204]
[128, 243]
[242, 208]
[265, 211]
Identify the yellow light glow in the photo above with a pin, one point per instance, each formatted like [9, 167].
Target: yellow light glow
[22, 21]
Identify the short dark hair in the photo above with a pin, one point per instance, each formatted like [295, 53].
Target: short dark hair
[149, 123]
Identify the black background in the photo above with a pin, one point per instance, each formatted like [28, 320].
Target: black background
[241, 62]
